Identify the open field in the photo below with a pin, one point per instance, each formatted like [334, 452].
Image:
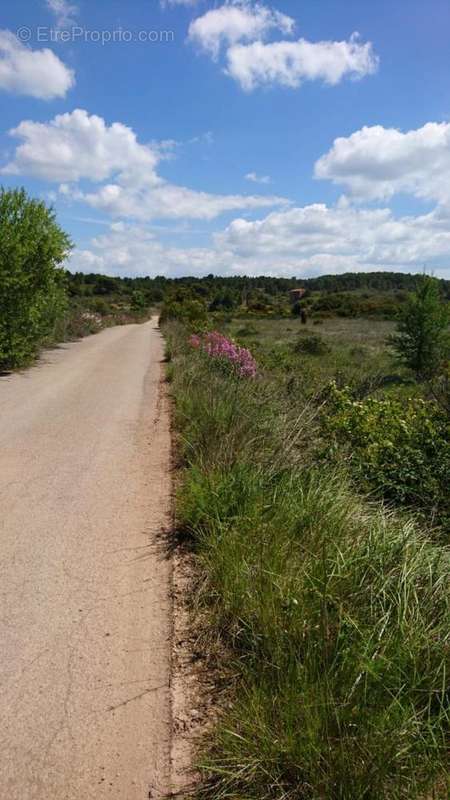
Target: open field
[352, 344]
[350, 351]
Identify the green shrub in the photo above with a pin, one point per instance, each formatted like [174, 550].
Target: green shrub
[402, 449]
[100, 306]
[139, 302]
[192, 312]
[312, 344]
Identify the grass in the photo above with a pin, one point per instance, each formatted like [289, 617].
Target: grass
[353, 351]
[332, 611]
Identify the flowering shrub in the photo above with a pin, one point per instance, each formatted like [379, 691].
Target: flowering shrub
[226, 353]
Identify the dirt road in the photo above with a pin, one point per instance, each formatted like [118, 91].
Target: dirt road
[85, 581]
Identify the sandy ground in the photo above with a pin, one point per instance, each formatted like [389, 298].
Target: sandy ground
[85, 619]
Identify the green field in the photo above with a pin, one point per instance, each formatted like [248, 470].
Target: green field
[354, 345]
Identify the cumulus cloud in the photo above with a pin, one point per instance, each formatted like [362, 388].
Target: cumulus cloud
[291, 63]
[64, 11]
[322, 238]
[241, 28]
[376, 163]
[37, 73]
[77, 146]
[168, 200]
[308, 240]
[236, 21]
[134, 250]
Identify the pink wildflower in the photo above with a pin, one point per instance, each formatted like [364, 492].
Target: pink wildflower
[195, 341]
[219, 348]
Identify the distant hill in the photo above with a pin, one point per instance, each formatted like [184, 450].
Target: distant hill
[377, 281]
[210, 286]
[94, 283]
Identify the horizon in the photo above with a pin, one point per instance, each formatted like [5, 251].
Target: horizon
[242, 138]
[212, 276]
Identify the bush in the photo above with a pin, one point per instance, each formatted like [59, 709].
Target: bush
[100, 306]
[313, 345]
[192, 312]
[78, 322]
[32, 285]
[225, 354]
[139, 302]
[400, 449]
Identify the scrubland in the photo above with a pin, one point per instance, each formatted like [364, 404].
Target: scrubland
[323, 589]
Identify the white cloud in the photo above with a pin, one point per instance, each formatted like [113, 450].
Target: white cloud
[331, 239]
[64, 11]
[376, 162]
[241, 28]
[166, 200]
[236, 21]
[77, 146]
[255, 178]
[37, 73]
[308, 240]
[291, 63]
[133, 250]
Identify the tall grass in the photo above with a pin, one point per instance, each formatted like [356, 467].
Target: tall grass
[332, 611]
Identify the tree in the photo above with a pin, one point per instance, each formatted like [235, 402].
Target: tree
[422, 340]
[32, 284]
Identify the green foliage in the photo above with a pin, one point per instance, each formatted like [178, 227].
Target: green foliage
[347, 304]
[192, 312]
[333, 612]
[422, 342]
[100, 306]
[224, 302]
[247, 330]
[313, 344]
[440, 388]
[350, 295]
[138, 301]
[32, 286]
[402, 449]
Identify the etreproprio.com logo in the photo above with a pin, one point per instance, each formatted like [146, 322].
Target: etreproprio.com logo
[76, 33]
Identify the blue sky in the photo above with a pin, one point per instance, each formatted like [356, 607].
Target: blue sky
[233, 136]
